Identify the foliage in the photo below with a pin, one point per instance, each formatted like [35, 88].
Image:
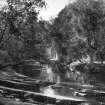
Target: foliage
[79, 29]
[22, 35]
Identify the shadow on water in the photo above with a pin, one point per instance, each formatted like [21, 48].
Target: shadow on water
[75, 91]
[76, 87]
[63, 89]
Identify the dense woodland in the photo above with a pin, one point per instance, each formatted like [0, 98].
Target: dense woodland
[77, 34]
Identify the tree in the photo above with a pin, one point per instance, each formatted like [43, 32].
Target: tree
[19, 26]
[79, 29]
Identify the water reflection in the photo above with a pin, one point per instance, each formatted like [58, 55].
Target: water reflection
[66, 93]
[48, 91]
[58, 90]
[85, 94]
[48, 74]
